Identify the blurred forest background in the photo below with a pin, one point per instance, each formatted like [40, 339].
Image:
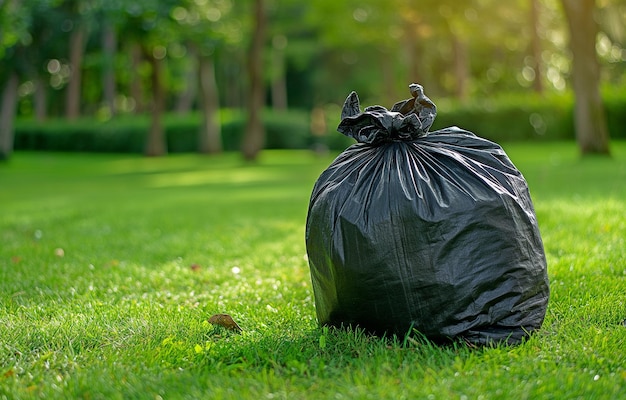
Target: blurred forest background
[159, 76]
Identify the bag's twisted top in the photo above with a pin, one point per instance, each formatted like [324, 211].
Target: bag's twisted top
[407, 120]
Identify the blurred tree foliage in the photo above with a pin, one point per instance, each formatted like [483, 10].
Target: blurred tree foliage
[109, 57]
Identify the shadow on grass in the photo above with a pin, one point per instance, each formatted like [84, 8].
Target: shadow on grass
[323, 352]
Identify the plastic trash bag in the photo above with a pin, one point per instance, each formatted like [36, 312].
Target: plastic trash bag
[429, 231]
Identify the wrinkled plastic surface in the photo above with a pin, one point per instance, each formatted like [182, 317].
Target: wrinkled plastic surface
[433, 231]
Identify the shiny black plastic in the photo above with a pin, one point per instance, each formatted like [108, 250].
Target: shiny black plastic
[428, 231]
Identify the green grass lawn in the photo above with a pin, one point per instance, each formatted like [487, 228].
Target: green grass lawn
[110, 266]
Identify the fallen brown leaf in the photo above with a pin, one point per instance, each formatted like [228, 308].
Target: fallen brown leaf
[225, 321]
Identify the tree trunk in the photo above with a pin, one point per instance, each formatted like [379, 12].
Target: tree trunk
[135, 85]
[185, 100]
[590, 120]
[210, 136]
[73, 95]
[231, 71]
[412, 51]
[40, 99]
[279, 79]
[109, 49]
[536, 46]
[387, 63]
[254, 137]
[156, 143]
[7, 116]
[461, 66]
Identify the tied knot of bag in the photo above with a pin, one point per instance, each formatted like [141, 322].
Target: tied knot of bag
[406, 121]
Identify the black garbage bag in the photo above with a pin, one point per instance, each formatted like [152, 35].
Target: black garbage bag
[429, 231]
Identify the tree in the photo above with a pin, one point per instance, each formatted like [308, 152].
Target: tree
[150, 26]
[187, 95]
[279, 84]
[109, 50]
[590, 120]
[210, 134]
[535, 45]
[207, 28]
[7, 115]
[78, 34]
[13, 39]
[47, 42]
[156, 144]
[254, 136]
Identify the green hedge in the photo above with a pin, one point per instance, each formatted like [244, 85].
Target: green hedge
[500, 120]
[513, 119]
[127, 134]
